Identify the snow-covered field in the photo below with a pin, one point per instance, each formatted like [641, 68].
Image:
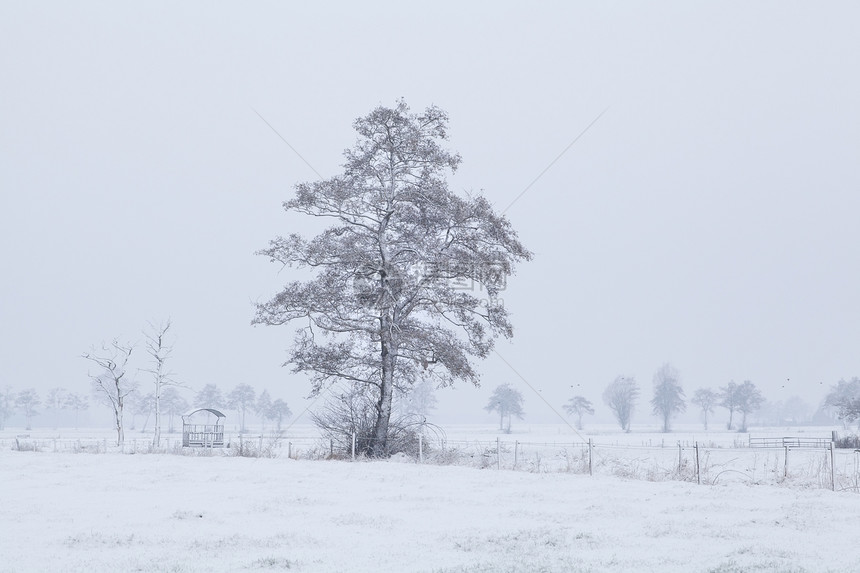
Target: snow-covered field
[161, 512]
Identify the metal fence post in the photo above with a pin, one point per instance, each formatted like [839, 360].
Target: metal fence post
[498, 453]
[353, 446]
[785, 471]
[516, 448]
[680, 458]
[420, 448]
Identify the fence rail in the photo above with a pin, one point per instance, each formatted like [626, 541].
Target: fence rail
[815, 443]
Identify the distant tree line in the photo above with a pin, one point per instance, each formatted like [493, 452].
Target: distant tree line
[740, 401]
[243, 399]
[123, 387]
[28, 403]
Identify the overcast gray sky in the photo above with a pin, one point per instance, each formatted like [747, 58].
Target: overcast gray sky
[708, 219]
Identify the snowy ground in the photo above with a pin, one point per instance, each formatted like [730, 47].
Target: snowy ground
[97, 512]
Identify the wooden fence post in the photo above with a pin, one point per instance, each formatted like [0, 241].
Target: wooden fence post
[498, 453]
[698, 470]
[832, 468]
[516, 447]
[420, 448]
[590, 457]
[680, 458]
[785, 471]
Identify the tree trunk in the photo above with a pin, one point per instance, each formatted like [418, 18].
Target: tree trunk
[120, 435]
[379, 447]
[156, 439]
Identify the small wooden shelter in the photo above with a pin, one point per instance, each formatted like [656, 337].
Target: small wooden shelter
[205, 435]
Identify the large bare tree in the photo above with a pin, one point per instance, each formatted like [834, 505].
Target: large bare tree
[112, 383]
[406, 278]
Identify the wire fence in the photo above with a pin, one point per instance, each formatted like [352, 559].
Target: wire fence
[809, 463]
[812, 464]
[246, 445]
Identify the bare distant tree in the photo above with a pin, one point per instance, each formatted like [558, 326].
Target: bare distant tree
[210, 397]
[729, 401]
[76, 403]
[705, 399]
[621, 396]
[159, 349]
[263, 407]
[844, 397]
[668, 397]
[385, 305]
[7, 405]
[241, 398]
[278, 411]
[794, 410]
[140, 405]
[418, 400]
[579, 405]
[173, 404]
[28, 401]
[749, 399]
[55, 401]
[508, 402]
[113, 384]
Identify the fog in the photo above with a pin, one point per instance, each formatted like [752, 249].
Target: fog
[706, 219]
